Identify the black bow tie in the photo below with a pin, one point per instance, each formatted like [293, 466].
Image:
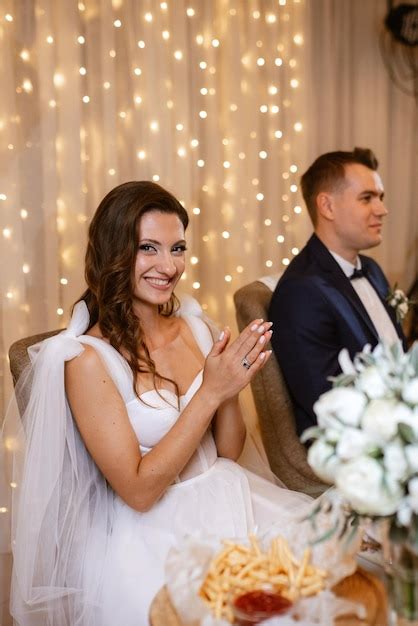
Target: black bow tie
[361, 273]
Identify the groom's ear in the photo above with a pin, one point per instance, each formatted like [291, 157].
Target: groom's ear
[325, 205]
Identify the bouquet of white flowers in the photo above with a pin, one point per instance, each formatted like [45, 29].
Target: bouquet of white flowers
[366, 441]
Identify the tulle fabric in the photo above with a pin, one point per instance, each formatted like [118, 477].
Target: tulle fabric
[62, 508]
[73, 564]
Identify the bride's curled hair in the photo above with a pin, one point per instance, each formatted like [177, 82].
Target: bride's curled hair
[110, 263]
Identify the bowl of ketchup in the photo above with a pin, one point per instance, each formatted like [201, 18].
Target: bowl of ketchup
[255, 606]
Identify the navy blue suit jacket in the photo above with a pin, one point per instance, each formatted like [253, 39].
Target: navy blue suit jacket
[315, 313]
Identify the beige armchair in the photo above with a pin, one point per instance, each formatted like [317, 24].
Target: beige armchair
[18, 352]
[286, 455]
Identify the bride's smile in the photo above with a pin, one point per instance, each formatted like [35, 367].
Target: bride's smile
[161, 257]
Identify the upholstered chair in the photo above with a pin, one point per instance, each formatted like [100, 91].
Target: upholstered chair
[286, 455]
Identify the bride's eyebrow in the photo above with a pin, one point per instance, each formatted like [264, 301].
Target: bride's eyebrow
[158, 243]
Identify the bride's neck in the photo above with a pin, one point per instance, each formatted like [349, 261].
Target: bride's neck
[152, 322]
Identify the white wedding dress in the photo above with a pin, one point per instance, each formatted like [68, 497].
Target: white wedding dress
[114, 558]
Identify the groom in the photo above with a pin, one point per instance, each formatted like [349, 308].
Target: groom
[330, 297]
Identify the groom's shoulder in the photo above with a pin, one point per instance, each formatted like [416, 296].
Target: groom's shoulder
[304, 265]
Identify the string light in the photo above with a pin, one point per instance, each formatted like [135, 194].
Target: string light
[216, 168]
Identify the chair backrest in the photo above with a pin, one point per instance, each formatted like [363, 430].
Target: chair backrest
[286, 455]
[18, 352]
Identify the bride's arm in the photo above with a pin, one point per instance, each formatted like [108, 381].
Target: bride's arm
[229, 429]
[104, 425]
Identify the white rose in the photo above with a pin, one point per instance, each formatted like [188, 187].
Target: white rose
[381, 418]
[322, 459]
[410, 391]
[361, 482]
[371, 382]
[353, 442]
[403, 308]
[395, 461]
[413, 494]
[411, 453]
[410, 417]
[339, 406]
[404, 513]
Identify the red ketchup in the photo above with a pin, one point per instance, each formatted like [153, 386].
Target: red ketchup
[256, 606]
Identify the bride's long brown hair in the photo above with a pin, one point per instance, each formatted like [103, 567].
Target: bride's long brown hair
[109, 269]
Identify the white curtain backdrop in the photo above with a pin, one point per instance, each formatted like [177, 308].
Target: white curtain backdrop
[223, 102]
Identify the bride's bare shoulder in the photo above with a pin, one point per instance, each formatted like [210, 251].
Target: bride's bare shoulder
[87, 365]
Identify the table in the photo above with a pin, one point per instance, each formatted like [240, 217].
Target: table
[362, 586]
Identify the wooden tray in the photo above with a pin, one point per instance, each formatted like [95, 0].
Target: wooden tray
[359, 587]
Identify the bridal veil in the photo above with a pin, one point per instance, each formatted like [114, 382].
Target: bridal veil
[62, 507]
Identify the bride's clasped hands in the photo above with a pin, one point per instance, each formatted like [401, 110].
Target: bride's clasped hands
[230, 367]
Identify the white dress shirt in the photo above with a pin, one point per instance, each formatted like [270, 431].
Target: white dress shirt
[370, 299]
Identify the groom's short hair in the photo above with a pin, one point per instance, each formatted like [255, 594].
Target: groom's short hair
[327, 173]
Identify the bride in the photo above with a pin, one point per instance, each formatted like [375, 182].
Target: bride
[131, 432]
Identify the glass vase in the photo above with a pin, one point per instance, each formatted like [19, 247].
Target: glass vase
[401, 564]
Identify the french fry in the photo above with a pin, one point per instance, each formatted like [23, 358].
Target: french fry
[241, 568]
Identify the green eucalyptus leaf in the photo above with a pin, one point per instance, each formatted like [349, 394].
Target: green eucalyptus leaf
[327, 535]
[406, 432]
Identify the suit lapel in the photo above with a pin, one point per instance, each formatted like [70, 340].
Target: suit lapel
[339, 280]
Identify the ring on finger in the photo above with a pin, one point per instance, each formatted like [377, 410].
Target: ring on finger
[245, 362]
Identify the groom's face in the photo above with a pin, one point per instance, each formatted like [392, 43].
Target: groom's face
[358, 209]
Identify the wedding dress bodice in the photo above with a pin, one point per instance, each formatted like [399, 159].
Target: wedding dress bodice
[153, 414]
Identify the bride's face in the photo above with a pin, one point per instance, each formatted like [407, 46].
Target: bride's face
[160, 258]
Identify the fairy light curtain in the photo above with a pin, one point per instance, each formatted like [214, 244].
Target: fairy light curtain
[199, 96]
[224, 102]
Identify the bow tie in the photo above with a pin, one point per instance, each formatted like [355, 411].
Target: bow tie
[361, 273]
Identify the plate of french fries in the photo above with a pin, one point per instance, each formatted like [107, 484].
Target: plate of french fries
[240, 568]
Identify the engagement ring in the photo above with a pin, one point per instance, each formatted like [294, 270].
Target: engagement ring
[246, 363]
